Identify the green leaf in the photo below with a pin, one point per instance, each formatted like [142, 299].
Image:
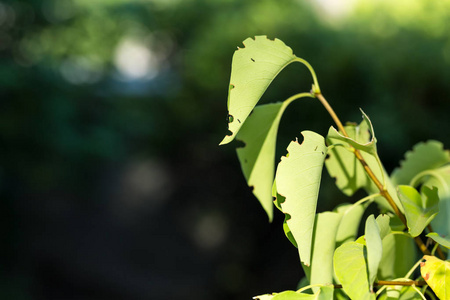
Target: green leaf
[324, 293]
[278, 200]
[424, 156]
[374, 247]
[257, 157]
[298, 180]
[252, 70]
[436, 273]
[399, 254]
[342, 163]
[439, 239]
[325, 229]
[419, 210]
[383, 223]
[351, 270]
[400, 293]
[348, 227]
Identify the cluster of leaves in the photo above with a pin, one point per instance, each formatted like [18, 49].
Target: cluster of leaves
[338, 264]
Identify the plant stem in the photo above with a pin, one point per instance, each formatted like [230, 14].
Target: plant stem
[387, 282]
[439, 250]
[370, 173]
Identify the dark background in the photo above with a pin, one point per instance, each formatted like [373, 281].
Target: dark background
[112, 182]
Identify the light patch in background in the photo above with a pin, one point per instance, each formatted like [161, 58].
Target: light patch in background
[334, 9]
[58, 10]
[144, 187]
[81, 70]
[210, 231]
[135, 60]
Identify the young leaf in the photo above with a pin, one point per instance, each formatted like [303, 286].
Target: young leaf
[419, 210]
[439, 239]
[436, 273]
[351, 270]
[257, 157]
[325, 229]
[252, 70]
[298, 180]
[424, 156]
[374, 247]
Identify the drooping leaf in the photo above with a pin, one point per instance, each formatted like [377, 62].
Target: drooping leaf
[351, 270]
[424, 156]
[252, 70]
[257, 156]
[324, 235]
[436, 273]
[419, 210]
[439, 239]
[383, 223]
[360, 141]
[298, 180]
[374, 248]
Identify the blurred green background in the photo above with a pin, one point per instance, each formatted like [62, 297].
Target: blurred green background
[111, 179]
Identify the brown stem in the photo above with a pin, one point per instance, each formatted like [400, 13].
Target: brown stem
[370, 173]
[385, 282]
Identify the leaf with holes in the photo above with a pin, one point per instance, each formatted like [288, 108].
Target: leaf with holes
[257, 156]
[436, 273]
[424, 156]
[298, 180]
[252, 70]
[419, 210]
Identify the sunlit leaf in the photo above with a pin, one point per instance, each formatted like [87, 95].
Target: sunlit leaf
[277, 202]
[374, 247]
[351, 270]
[439, 239]
[257, 156]
[424, 156]
[298, 180]
[436, 273]
[324, 235]
[419, 210]
[324, 293]
[252, 70]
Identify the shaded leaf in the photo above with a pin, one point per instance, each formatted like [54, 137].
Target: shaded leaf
[424, 156]
[436, 273]
[257, 157]
[277, 202]
[399, 254]
[348, 227]
[252, 70]
[374, 248]
[298, 180]
[419, 210]
[351, 270]
[439, 239]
